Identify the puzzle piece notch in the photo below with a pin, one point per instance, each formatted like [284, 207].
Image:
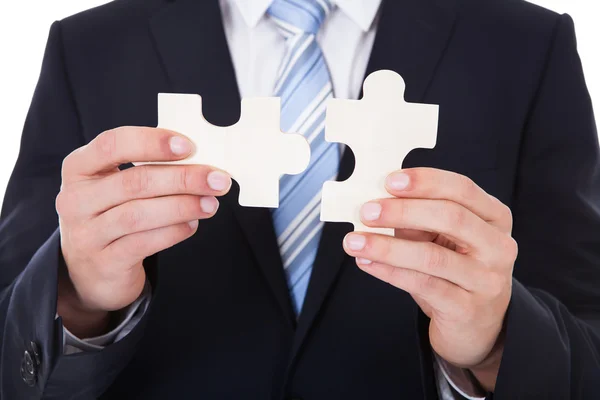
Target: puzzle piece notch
[381, 129]
[254, 150]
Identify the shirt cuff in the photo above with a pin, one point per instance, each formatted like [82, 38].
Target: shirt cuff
[131, 315]
[453, 381]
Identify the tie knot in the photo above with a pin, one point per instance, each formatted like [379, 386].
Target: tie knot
[294, 17]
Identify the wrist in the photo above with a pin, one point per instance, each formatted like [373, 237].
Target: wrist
[76, 318]
[486, 372]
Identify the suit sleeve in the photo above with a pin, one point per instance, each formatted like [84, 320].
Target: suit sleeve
[128, 320]
[552, 348]
[32, 363]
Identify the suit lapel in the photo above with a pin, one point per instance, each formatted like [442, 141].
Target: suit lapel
[191, 43]
[411, 38]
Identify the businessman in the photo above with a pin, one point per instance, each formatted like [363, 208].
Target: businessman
[151, 282]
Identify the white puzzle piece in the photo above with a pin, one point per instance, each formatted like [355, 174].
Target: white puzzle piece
[254, 150]
[381, 129]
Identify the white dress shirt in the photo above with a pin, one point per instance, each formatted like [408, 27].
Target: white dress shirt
[257, 48]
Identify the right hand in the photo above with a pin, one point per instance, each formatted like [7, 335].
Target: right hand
[110, 220]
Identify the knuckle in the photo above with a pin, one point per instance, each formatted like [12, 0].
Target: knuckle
[427, 283]
[455, 216]
[385, 247]
[62, 203]
[147, 145]
[192, 179]
[181, 210]
[106, 144]
[66, 202]
[130, 219]
[399, 207]
[186, 208]
[394, 275]
[434, 258]
[68, 165]
[510, 248]
[184, 179]
[191, 208]
[135, 181]
[436, 181]
[505, 213]
[468, 187]
[181, 232]
[388, 275]
[496, 285]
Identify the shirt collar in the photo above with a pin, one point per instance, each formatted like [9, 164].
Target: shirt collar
[362, 12]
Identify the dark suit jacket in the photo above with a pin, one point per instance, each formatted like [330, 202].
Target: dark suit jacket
[515, 116]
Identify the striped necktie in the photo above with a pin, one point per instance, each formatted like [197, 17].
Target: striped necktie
[304, 85]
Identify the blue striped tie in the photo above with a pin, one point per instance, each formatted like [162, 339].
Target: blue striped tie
[304, 85]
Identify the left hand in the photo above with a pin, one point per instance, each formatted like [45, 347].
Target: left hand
[453, 252]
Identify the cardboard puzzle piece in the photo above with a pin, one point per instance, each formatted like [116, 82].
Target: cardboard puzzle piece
[381, 129]
[254, 150]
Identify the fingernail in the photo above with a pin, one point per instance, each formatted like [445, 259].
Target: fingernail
[371, 211]
[209, 204]
[180, 146]
[218, 180]
[193, 224]
[355, 242]
[364, 261]
[397, 181]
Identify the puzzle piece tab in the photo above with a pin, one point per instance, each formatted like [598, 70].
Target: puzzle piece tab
[381, 129]
[254, 150]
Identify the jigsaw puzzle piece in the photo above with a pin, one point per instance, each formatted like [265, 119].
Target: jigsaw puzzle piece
[254, 150]
[381, 129]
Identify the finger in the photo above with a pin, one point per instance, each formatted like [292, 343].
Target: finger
[436, 184]
[440, 216]
[135, 247]
[124, 145]
[426, 257]
[144, 215]
[149, 181]
[443, 296]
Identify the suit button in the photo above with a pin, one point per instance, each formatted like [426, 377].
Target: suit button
[30, 364]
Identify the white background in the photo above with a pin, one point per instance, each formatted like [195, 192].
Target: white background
[24, 29]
